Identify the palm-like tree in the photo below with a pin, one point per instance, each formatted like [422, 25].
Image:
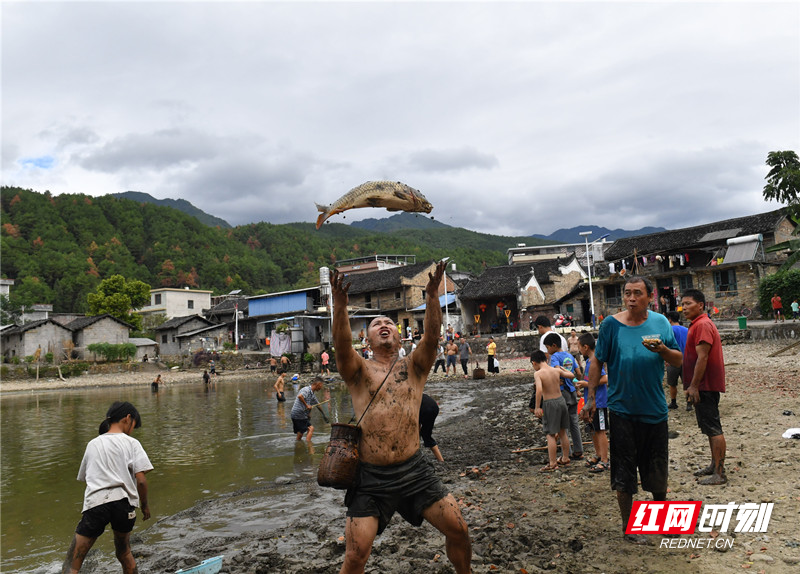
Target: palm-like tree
[783, 184]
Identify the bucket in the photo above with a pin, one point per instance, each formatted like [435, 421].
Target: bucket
[742, 323]
[339, 464]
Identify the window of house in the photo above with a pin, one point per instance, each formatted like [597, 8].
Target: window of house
[614, 295]
[397, 295]
[173, 338]
[725, 283]
[164, 339]
[685, 283]
[570, 308]
[368, 301]
[191, 304]
[157, 299]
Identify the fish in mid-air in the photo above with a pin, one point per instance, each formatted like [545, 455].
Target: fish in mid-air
[392, 195]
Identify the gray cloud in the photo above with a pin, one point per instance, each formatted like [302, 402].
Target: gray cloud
[512, 118]
[451, 160]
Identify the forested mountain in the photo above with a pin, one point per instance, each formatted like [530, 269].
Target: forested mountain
[179, 204]
[400, 221]
[58, 248]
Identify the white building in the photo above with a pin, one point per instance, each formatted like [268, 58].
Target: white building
[177, 302]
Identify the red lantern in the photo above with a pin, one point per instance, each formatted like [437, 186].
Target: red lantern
[501, 304]
[482, 308]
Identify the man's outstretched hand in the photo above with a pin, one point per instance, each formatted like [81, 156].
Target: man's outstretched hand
[435, 278]
[339, 288]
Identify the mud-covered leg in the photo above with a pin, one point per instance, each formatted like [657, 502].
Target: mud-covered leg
[359, 534]
[446, 517]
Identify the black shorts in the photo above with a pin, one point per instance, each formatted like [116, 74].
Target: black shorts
[707, 413]
[599, 422]
[637, 445]
[408, 488]
[301, 425]
[673, 374]
[120, 513]
[281, 397]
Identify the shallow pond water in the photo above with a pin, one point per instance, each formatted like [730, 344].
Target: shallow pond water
[202, 442]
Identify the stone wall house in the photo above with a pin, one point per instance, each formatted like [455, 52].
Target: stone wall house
[144, 347]
[98, 329]
[24, 340]
[167, 334]
[509, 297]
[725, 260]
[391, 292]
[225, 311]
[209, 338]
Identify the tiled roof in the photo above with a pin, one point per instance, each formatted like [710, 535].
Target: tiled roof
[384, 279]
[32, 325]
[177, 322]
[506, 280]
[83, 322]
[698, 236]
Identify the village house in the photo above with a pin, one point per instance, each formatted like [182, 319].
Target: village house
[292, 321]
[181, 335]
[144, 348]
[234, 313]
[98, 329]
[394, 292]
[510, 297]
[45, 335]
[725, 260]
[176, 302]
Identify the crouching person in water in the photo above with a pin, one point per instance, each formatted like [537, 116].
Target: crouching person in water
[394, 475]
[113, 467]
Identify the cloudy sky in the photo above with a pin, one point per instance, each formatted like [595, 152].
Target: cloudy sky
[512, 118]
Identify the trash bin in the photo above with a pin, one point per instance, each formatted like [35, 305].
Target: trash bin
[742, 323]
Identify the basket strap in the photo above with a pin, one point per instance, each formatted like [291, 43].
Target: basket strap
[379, 390]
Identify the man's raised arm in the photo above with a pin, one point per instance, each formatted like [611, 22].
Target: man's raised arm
[348, 362]
[425, 354]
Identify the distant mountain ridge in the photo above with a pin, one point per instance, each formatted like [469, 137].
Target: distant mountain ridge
[179, 204]
[571, 235]
[400, 221]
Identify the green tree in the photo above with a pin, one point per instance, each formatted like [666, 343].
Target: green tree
[783, 184]
[10, 312]
[783, 180]
[119, 297]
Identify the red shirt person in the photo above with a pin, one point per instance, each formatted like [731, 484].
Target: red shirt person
[777, 307]
[704, 381]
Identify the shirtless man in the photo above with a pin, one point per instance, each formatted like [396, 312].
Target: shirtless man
[452, 352]
[392, 464]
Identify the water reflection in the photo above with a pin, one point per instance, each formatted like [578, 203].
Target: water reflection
[202, 440]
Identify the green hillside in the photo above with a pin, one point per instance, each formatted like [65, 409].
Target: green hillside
[179, 204]
[58, 248]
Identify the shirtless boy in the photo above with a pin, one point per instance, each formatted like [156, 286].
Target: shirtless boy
[279, 387]
[394, 474]
[551, 408]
